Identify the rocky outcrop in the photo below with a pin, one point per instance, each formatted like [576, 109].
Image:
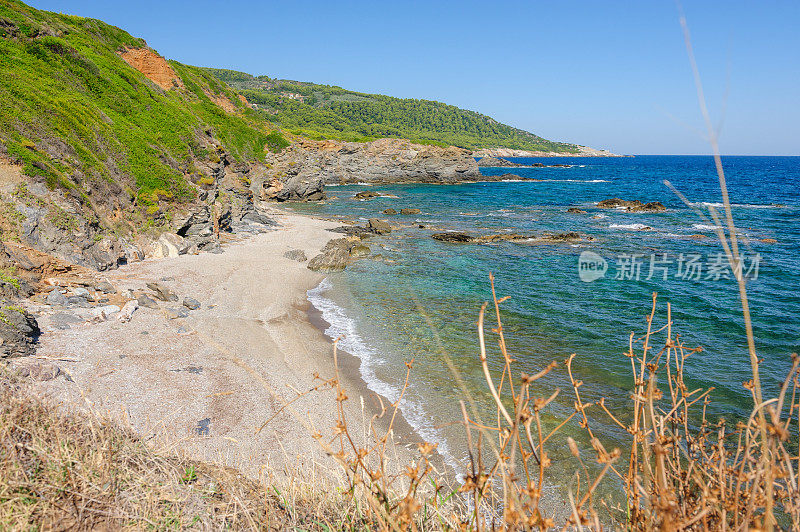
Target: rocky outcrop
[18, 332]
[337, 254]
[632, 205]
[495, 162]
[580, 151]
[301, 170]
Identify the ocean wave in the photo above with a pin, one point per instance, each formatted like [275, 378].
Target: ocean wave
[705, 227]
[344, 327]
[634, 227]
[575, 181]
[720, 205]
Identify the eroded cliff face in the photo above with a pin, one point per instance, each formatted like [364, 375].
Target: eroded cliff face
[302, 170]
[153, 66]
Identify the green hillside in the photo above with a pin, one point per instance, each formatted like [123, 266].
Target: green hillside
[80, 118]
[323, 111]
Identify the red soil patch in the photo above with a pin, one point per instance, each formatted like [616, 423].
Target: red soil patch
[153, 66]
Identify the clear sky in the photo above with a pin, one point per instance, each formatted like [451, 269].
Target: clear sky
[607, 74]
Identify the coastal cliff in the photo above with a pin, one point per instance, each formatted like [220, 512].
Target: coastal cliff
[302, 170]
[583, 151]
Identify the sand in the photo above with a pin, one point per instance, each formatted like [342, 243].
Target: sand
[204, 384]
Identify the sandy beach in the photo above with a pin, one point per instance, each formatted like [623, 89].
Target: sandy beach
[204, 384]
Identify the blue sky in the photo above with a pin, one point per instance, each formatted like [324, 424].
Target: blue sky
[607, 74]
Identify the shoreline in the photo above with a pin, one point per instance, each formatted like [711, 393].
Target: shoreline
[203, 384]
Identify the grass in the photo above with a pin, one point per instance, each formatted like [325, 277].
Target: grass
[75, 115]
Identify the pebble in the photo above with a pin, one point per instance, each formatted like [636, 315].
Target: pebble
[191, 303]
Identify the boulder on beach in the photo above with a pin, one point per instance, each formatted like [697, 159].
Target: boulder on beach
[170, 245]
[18, 332]
[162, 292]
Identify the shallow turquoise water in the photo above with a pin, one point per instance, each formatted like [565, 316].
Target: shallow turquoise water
[421, 297]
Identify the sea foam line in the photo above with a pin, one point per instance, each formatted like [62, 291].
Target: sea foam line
[344, 327]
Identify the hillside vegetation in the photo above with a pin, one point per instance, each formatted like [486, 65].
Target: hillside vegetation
[325, 112]
[80, 118]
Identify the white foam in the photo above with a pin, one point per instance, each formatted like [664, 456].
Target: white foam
[634, 227]
[719, 205]
[575, 181]
[344, 328]
[705, 227]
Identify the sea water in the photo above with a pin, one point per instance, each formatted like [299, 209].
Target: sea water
[419, 298]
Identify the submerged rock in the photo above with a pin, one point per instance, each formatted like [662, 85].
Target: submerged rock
[410, 211]
[453, 237]
[366, 194]
[548, 238]
[389, 211]
[380, 227]
[575, 210]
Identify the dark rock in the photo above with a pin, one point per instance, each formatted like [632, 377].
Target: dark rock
[162, 292]
[575, 210]
[632, 205]
[562, 237]
[146, 302]
[389, 211]
[56, 298]
[191, 303]
[366, 194]
[380, 227]
[77, 301]
[614, 203]
[296, 254]
[203, 427]
[334, 256]
[353, 230]
[495, 162]
[653, 206]
[410, 211]
[174, 313]
[453, 237]
[19, 332]
[359, 250]
[63, 320]
[106, 287]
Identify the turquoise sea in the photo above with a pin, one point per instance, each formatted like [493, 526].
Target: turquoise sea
[420, 297]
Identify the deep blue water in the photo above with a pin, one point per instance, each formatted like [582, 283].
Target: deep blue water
[420, 297]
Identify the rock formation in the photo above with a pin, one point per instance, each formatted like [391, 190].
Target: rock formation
[632, 205]
[301, 170]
